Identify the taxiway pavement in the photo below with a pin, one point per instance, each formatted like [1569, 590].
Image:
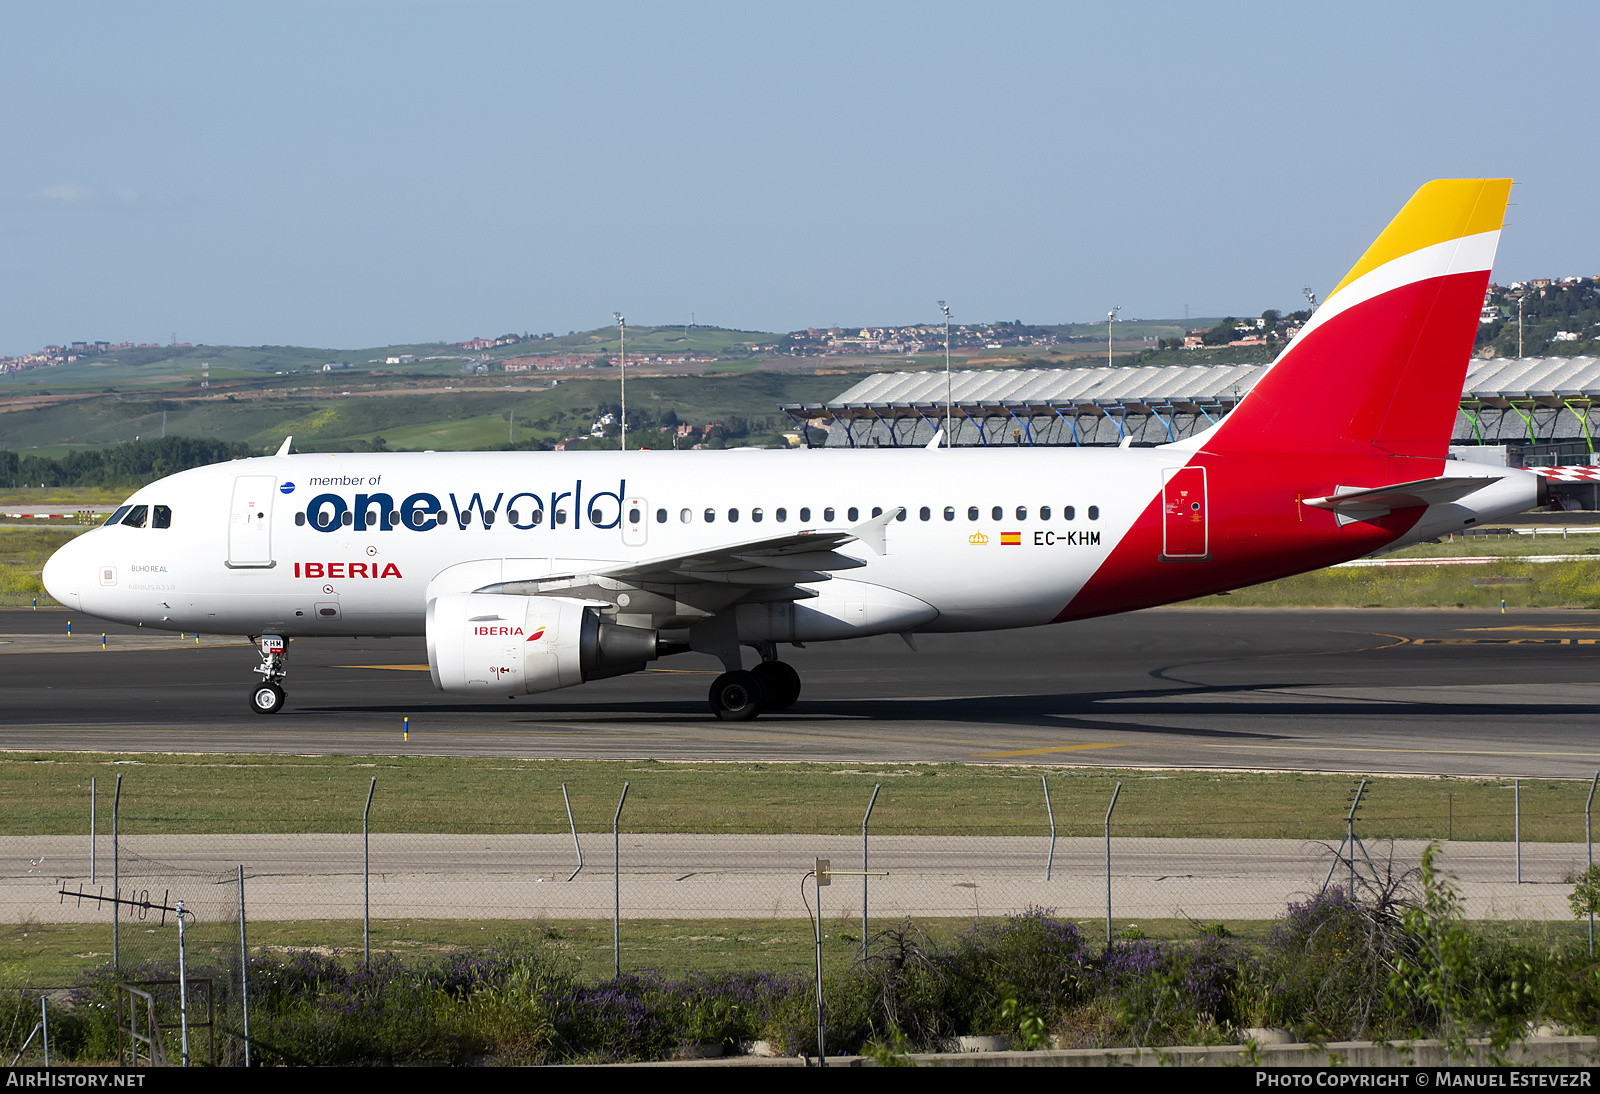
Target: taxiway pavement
[1373, 691]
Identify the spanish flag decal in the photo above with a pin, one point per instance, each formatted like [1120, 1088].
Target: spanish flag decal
[1011, 539]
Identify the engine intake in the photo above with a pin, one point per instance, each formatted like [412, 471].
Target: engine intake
[492, 643]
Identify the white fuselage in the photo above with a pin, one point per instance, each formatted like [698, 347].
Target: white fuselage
[991, 538]
[373, 577]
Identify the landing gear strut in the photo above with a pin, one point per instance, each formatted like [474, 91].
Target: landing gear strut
[267, 697]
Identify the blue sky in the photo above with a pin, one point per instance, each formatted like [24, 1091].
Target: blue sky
[362, 174]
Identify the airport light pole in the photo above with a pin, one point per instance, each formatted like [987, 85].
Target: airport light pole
[949, 437]
[622, 329]
[1519, 321]
[1111, 317]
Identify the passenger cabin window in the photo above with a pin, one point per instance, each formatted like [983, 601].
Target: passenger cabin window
[781, 514]
[972, 512]
[997, 513]
[488, 518]
[561, 516]
[117, 516]
[877, 511]
[1022, 512]
[756, 515]
[853, 514]
[536, 517]
[661, 516]
[949, 512]
[827, 514]
[136, 516]
[711, 516]
[925, 513]
[160, 516]
[901, 515]
[1094, 512]
[465, 518]
[805, 514]
[1044, 512]
[685, 516]
[299, 520]
[733, 516]
[442, 519]
[1068, 513]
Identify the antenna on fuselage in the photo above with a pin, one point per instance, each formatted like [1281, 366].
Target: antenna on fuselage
[283, 449]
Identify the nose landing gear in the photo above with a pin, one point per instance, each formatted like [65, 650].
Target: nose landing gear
[267, 697]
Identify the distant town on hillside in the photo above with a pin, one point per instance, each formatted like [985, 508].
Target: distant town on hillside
[1537, 317]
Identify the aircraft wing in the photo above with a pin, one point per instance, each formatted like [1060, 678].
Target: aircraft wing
[673, 589]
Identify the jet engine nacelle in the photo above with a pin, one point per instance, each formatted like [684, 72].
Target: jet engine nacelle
[510, 645]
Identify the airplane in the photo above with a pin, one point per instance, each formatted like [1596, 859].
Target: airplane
[526, 572]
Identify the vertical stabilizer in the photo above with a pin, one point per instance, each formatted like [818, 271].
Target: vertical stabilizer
[1378, 369]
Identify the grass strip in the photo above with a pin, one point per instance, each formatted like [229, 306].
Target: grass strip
[1520, 584]
[48, 794]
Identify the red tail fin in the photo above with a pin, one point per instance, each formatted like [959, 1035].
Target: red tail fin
[1381, 363]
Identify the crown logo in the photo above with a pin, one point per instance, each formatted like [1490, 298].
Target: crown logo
[977, 539]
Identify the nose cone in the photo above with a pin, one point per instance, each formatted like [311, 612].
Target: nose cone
[65, 574]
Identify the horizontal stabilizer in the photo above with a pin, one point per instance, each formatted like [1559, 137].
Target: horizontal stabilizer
[1364, 503]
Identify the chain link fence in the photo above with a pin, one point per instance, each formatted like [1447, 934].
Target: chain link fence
[1093, 854]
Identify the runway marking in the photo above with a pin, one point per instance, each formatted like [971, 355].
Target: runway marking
[1395, 751]
[1042, 751]
[1503, 641]
[393, 668]
[424, 668]
[1467, 630]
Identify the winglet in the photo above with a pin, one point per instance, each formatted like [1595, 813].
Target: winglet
[283, 449]
[871, 532]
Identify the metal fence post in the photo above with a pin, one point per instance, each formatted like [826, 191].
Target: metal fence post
[821, 874]
[874, 801]
[1109, 808]
[1049, 862]
[91, 831]
[244, 969]
[576, 846]
[366, 878]
[1588, 841]
[183, 989]
[116, 881]
[44, 1027]
[616, 886]
[1516, 823]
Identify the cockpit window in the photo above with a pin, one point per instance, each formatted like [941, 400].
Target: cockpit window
[117, 516]
[136, 516]
[160, 516]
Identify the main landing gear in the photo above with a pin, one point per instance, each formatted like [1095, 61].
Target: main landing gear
[267, 697]
[740, 695]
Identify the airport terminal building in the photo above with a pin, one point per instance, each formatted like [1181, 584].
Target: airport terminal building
[1522, 412]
